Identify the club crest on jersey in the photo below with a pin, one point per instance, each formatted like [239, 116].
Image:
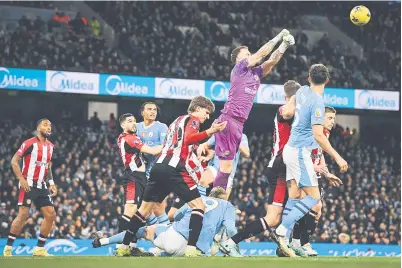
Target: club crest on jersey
[317, 112]
[194, 124]
[144, 134]
[28, 201]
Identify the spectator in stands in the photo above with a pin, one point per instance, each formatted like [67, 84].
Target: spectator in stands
[95, 26]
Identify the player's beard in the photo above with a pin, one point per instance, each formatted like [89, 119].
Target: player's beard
[45, 134]
[132, 131]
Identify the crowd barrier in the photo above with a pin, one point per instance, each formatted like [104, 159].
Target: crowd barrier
[64, 247]
[172, 88]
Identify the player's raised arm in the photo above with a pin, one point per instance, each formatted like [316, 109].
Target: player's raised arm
[267, 66]
[266, 49]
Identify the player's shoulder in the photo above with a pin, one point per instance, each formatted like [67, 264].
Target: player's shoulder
[160, 124]
[140, 124]
[30, 141]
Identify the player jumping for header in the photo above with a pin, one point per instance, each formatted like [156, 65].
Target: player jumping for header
[307, 134]
[244, 83]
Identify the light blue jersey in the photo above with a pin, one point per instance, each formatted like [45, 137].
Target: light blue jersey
[310, 111]
[152, 135]
[215, 161]
[218, 213]
[297, 152]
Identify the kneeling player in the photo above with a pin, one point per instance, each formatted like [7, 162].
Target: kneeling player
[172, 239]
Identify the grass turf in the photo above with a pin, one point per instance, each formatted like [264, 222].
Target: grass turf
[213, 262]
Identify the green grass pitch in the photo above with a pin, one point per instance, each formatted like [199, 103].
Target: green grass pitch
[213, 262]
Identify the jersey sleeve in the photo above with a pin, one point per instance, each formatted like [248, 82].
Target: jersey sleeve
[241, 67]
[211, 141]
[162, 133]
[181, 212]
[317, 112]
[135, 143]
[26, 148]
[191, 134]
[244, 141]
[229, 221]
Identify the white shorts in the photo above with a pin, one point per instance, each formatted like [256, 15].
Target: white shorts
[215, 172]
[299, 166]
[171, 242]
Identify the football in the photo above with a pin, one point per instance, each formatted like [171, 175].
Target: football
[360, 15]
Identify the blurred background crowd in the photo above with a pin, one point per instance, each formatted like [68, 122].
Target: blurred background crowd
[194, 39]
[87, 168]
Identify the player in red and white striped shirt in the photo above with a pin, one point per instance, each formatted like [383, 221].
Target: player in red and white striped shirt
[176, 171]
[36, 154]
[131, 148]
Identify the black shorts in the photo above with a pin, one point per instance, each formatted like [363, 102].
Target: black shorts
[165, 179]
[178, 203]
[277, 188]
[134, 186]
[39, 197]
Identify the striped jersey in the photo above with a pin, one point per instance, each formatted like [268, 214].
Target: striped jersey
[280, 135]
[130, 150]
[179, 148]
[36, 156]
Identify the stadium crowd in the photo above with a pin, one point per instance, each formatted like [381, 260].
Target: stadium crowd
[87, 167]
[184, 39]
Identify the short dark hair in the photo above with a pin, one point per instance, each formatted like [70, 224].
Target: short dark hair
[123, 117]
[318, 73]
[150, 102]
[40, 121]
[291, 87]
[235, 52]
[202, 102]
[329, 109]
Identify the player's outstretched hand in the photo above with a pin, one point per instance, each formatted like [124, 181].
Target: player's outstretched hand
[343, 165]
[289, 40]
[218, 127]
[334, 180]
[284, 32]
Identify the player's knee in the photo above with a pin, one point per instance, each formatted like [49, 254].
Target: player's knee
[130, 209]
[22, 215]
[50, 215]
[272, 220]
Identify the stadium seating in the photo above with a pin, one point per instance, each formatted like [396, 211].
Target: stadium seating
[193, 40]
